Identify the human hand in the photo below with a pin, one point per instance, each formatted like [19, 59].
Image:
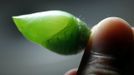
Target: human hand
[118, 21]
[72, 72]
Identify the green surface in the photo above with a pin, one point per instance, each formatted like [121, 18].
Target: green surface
[56, 30]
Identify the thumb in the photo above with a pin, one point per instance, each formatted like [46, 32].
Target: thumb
[111, 43]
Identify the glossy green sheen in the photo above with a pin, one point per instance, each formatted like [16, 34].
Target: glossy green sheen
[56, 30]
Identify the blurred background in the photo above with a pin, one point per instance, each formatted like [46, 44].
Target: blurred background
[19, 56]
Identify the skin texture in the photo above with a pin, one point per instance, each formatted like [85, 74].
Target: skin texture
[113, 29]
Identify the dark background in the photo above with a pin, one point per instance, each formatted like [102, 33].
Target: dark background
[18, 56]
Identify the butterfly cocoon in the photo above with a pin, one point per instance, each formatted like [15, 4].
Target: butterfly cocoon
[56, 30]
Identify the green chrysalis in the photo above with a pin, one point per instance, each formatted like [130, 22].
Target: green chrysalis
[56, 30]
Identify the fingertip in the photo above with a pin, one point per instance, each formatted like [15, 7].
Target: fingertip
[133, 29]
[72, 72]
[111, 33]
[109, 22]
